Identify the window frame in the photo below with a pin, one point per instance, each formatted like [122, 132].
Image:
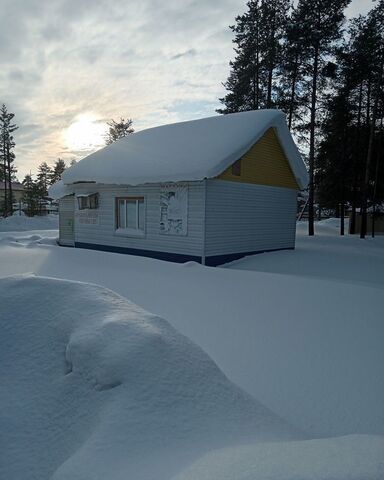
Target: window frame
[130, 231]
[84, 201]
[236, 168]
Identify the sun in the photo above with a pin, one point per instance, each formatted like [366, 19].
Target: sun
[85, 133]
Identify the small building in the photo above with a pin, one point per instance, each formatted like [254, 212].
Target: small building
[17, 194]
[375, 221]
[211, 190]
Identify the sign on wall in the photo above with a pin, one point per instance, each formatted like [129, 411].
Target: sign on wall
[174, 209]
[87, 217]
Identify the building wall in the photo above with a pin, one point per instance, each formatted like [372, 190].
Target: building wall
[104, 233]
[264, 164]
[378, 226]
[244, 214]
[17, 195]
[246, 218]
[66, 220]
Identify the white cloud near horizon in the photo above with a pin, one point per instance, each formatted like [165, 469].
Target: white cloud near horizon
[153, 61]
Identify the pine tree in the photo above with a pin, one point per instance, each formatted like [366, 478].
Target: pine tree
[355, 62]
[350, 153]
[57, 170]
[30, 195]
[43, 180]
[335, 168]
[7, 156]
[292, 97]
[274, 17]
[375, 98]
[253, 78]
[320, 25]
[118, 130]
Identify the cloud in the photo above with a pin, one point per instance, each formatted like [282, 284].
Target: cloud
[188, 53]
[154, 61]
[357, 7]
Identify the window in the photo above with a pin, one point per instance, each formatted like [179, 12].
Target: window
[86, 201]
[130, 215]
[236, 168]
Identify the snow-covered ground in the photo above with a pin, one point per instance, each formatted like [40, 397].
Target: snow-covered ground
[93, 387]
[41, 225]
[354, 457]
[302, 331]
[327, 256]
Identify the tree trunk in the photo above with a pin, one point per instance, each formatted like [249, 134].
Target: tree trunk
[10, 200]
[352, 220]
[254, 95]
[368, 110]
[377, 169]
[270, 71]
[5, 181]
[257, 75]
[293, 92]
[363, 230]
[342, 217]
[269, 93]
[311, 230]
[257, 102]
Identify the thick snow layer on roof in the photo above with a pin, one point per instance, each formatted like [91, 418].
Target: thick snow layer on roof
[185, 151]
[59, 190]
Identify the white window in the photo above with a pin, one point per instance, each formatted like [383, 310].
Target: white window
[88, 201]
[130, 215]
[236, 168]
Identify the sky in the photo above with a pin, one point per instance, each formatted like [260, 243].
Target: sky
[69, 66]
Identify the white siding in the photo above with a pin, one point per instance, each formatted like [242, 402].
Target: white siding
[246, 218]
[104, 233]
[66, 221]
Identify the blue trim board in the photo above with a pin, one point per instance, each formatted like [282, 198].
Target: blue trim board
[212, 261]
[169, 257]
[215, 260]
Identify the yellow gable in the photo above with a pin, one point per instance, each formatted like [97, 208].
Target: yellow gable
[265, 164]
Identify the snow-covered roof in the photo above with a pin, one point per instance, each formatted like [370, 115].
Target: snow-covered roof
[185, 151]
[59, 190]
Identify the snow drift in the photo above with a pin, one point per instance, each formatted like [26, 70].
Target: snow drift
[355, 457]
[93, 387]
[18, 223]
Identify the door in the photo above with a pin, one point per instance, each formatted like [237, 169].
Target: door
[67, 221]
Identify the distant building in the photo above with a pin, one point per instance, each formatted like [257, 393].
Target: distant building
[210, 190]
[375, 220]
[17, 193]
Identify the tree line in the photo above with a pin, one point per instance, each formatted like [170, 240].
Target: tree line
[35, 188]
[7, 157]
[326, 74]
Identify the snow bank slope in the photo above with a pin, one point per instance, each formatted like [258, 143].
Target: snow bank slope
[21, 223]
[354, 457]
[93, 387]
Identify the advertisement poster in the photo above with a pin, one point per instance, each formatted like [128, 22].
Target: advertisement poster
[174, 209]
[87, 217]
